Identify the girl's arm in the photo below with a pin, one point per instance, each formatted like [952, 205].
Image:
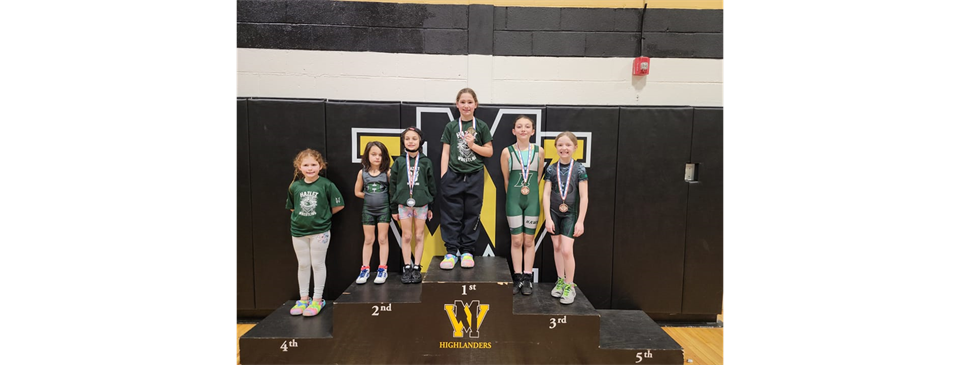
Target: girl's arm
[393, 174]
[504, 168]
[358, 187]
[578, 228]
[583, 201]
[432, 187]
[444, 159]
[336, 209]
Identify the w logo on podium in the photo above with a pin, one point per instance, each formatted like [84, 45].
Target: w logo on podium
[474, 313]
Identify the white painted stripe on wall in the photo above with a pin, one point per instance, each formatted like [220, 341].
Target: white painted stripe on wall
[497, 80]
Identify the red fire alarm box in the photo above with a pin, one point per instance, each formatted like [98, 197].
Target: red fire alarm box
[641, 66]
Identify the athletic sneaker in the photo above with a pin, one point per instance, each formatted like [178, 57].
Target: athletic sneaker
[364, 275]
[557, 289]
[314, 308]
[569, 292]
[526, 285]
[381, 275]
[299, 307]
[466, 260]
[416, 275]
[517, 283]
[448, 262]
[407, 276]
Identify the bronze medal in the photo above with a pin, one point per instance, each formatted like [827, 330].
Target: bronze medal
[563, 208]
[524, 190]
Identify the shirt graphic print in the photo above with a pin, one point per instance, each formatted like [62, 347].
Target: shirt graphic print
[308, 203]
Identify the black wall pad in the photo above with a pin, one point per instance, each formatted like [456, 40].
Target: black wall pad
[683, 20]
[279, 129]
[594, 249]
[325, 12]
[654, 144]
[245, 299]
[703, 264]
[683, 45]
[345, 254]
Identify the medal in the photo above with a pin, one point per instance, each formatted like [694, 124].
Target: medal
[524, 190]
[412, 177]
[563, 189]
[470, 129]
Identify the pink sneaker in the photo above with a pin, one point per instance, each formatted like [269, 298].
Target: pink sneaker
[314, 308]
[466, 261]
[448, 262]
[298, 307]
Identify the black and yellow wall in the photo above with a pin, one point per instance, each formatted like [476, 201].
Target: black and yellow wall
[331, 75]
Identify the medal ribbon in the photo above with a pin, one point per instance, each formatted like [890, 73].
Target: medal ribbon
[563, 193]
[412, 178]
[525, 168]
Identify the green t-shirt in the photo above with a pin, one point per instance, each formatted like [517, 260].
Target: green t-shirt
[462, 159]
[312, 212]
[424, 188]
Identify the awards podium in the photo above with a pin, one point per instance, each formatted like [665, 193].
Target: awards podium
[458, 316]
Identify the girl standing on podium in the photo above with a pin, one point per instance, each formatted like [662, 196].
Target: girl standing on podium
[312, 200]
[461, 180]
[564, 208]
[521, 164]
[372, 186]
[412, 190]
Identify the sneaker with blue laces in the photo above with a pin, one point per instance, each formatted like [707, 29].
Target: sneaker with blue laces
[381, 275]
[364, 275]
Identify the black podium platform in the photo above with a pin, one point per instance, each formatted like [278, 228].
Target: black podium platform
[458, 316]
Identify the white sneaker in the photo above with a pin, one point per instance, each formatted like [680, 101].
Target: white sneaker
[364, 275]
[569, 292]
[381, 275]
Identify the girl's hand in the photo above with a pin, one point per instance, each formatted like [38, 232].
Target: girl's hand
[429, 215]
[468, 137]
[578, 229]
[396, 217]
[549, 226]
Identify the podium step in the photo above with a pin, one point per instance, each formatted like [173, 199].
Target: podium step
[487, 269]
[632, 335]
[391, 291]
[540, 302]
[282, 338]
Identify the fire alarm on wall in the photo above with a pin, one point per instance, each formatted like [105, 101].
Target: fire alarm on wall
[641, 66]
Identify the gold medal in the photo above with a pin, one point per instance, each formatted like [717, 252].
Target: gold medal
[470, 130]
[563, 208]
[524, 190]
